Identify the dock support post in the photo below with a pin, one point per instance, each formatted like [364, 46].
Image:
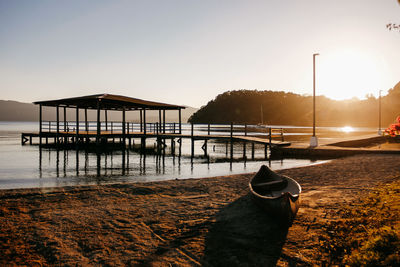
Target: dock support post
[231, 140]
[191, 134]
[270, 135]
[40, 124]
[245, 130]
[77, 125]
[86, 127]
[180, 146]
[98, 124]
[180, 121]
[266, 151]
[163, 120]
[144, 121]
[86, 121]
[173, 146]
[106, 119]
[123, 128]
[141, 121]
[159, 129]
[252, 150]
[58, 124]
[204, 147]
[244, 150]
[143, 140]
[65, 125]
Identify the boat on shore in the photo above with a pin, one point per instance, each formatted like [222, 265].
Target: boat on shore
[276, 194]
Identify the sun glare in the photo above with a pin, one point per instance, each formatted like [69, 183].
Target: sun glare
[347, 129]
[347, 74]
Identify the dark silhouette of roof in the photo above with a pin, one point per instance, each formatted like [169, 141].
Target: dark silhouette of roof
[108, 101]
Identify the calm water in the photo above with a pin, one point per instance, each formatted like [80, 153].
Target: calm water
[29, 166]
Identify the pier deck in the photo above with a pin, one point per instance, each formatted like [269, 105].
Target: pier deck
[26, 136]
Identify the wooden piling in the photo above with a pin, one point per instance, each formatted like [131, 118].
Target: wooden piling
[40, 124]
[270, 135]
[77, 125]
[65, 125]
[123, 127]
[191, 134]
[58, 123]
[98, 124]
[231, 140]
[180, 121]
[141, 120]
[163, 120]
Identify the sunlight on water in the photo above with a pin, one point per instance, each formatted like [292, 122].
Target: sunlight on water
[347, 129]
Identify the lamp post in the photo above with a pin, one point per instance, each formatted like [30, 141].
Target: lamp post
[314, 139]
[380, 113]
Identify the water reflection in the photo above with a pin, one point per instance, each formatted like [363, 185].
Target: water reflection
[131, 163]
[34, 166]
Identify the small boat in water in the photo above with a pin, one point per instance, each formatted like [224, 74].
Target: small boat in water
[278, 195]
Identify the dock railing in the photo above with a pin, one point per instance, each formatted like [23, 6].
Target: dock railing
[109, 127]
[235, 130]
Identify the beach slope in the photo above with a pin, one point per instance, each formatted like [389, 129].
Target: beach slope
[210, 221]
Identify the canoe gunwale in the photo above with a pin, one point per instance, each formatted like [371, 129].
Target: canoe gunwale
[293, 197]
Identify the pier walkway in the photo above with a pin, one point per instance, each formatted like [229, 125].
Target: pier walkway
[229, 134]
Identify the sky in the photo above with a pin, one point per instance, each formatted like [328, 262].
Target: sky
[187, 52]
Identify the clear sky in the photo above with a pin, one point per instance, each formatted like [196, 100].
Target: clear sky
[189, 51]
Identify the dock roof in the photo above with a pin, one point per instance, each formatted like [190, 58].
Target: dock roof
[108, 101]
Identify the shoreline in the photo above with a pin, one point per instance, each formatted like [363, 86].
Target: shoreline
[189, 222]
[72, 187]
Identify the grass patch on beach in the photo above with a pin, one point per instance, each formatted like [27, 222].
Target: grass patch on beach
[367, 233]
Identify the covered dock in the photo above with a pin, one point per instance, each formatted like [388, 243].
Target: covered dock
[100, 131]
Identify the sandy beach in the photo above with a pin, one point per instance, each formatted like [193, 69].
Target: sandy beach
[209, 222]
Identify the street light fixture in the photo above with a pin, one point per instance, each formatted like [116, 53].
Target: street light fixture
[314, 139]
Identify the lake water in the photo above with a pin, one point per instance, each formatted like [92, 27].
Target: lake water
[31, 166]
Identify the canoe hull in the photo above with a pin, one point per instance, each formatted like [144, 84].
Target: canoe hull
[282, 204]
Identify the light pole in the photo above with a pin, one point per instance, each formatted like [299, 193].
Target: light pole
[380, 113]
[314, 139]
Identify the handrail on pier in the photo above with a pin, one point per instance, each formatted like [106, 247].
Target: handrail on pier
[111, 127]
[232, 130]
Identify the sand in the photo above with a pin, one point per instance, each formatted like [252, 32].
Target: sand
[209, 221]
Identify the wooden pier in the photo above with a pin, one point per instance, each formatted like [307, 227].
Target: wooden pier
[161, 134]
[62, 133]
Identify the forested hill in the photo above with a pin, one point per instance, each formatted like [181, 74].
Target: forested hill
[280, 108]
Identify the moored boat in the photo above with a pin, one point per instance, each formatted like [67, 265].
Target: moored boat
[278, 195]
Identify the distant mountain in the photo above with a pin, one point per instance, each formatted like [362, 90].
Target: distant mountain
[18, 111]
[281, 108]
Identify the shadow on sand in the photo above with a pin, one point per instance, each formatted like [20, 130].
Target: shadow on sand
[244, 235]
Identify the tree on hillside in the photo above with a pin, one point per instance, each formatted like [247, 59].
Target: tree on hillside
[245, 106]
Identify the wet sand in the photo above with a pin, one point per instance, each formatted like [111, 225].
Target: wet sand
[209, 221]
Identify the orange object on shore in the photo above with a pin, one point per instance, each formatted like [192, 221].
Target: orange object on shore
[394, 129]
